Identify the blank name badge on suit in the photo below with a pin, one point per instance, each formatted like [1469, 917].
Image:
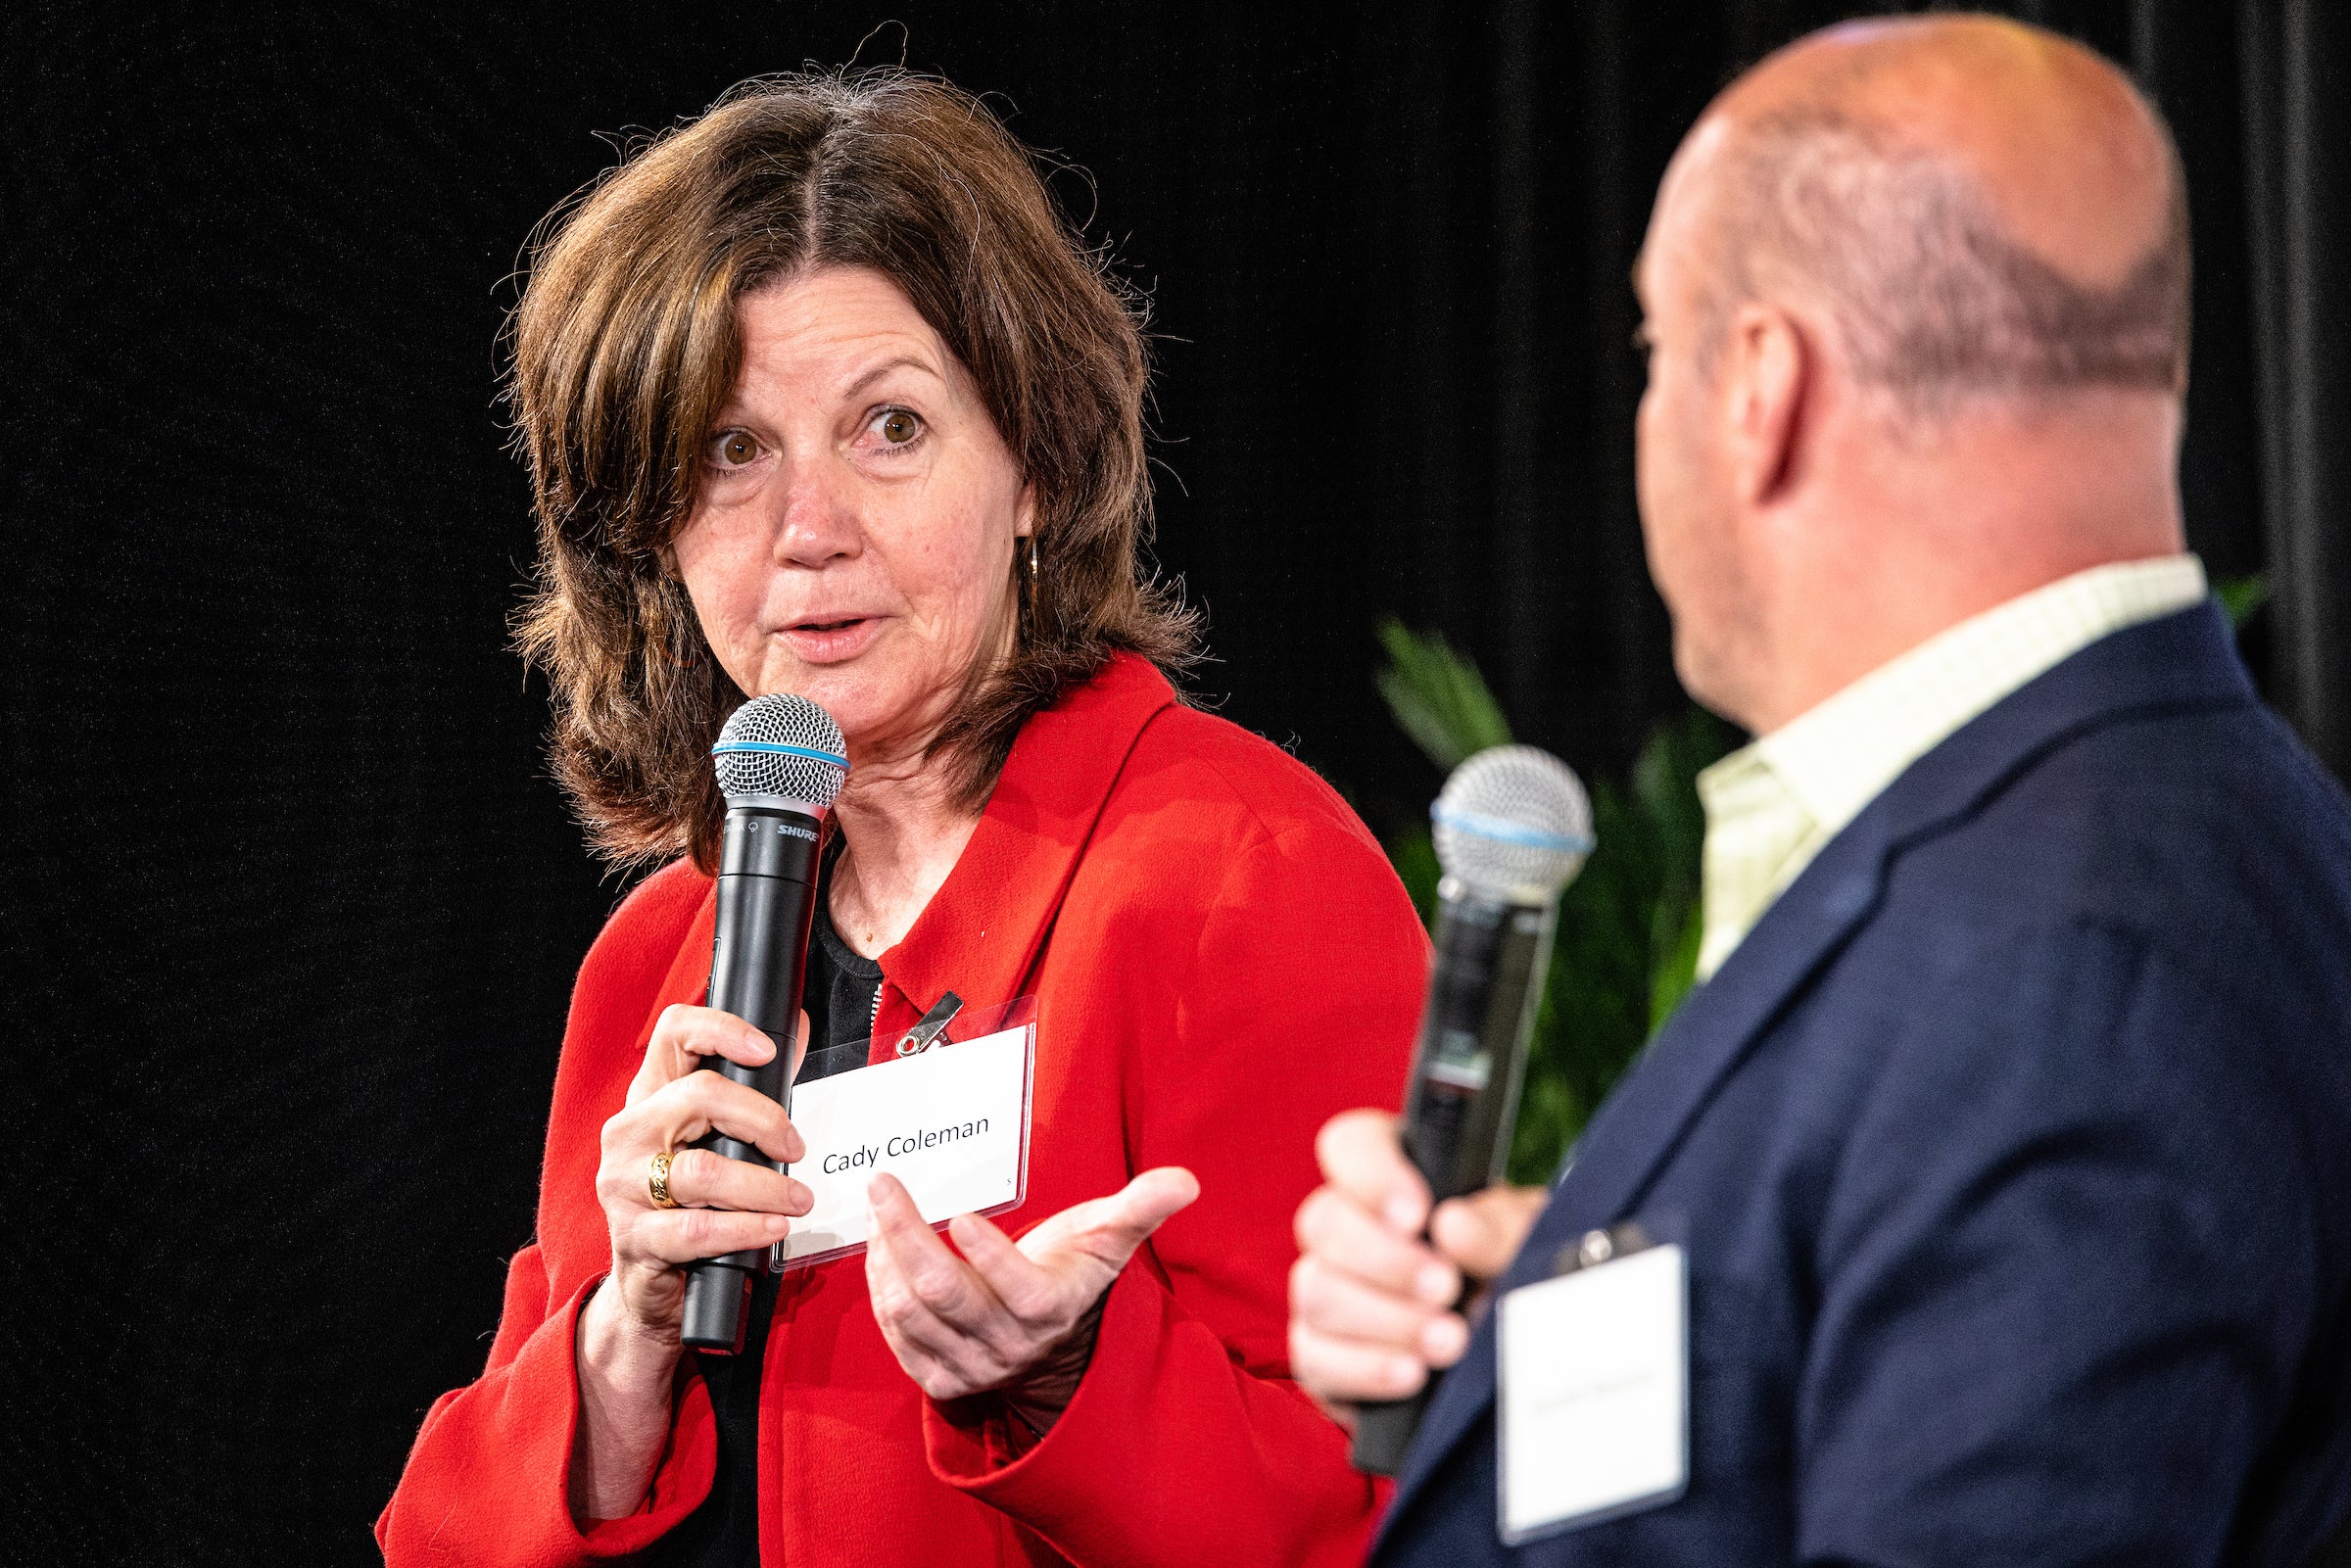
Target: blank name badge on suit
[1593, 1401]
[950, 1118]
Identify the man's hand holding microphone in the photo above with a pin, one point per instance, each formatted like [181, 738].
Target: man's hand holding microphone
[1381, 1288]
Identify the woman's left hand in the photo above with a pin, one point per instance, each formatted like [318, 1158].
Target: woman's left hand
[1015, 1318]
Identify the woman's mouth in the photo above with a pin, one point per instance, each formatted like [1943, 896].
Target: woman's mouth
[829, 639]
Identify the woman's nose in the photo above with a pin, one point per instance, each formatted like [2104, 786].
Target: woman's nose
[819, 519]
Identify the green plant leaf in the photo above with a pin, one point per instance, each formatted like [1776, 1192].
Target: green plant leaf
[2240, 597]
[1437, 698]
[1676, 968]
[1665, 783]
[1594, 1010]
[1665, 780]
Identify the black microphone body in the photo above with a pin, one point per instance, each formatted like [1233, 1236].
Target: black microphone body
[1483, 991]
[758, 963]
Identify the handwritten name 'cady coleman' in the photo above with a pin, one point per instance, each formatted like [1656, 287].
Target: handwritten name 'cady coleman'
[870, 1156]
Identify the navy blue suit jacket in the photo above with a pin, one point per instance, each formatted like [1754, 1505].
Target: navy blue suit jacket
[2013, 1151]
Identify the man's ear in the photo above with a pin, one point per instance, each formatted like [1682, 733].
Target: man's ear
[1770, 374]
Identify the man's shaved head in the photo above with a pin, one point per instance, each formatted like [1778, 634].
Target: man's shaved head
[1981, 208]
[1915, 294]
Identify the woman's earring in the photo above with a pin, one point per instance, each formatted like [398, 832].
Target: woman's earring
[1032, 560]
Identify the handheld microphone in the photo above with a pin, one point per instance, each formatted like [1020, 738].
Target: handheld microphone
[779, 760]
[1511, 828]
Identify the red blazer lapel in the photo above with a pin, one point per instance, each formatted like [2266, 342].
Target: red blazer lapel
[981, 933]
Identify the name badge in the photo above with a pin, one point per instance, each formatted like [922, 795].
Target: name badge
[1593, 1401]
[950, 1122]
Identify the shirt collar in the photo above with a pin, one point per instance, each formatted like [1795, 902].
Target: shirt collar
[1837, 757]
[1771, 805]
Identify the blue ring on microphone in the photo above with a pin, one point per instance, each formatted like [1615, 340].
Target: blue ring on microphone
[1503, 830]
[776, 748]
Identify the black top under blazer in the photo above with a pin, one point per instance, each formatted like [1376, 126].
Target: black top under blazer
[2013, 1151]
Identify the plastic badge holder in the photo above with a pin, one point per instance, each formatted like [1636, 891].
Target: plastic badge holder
[836, 1227]
[1653, 1235]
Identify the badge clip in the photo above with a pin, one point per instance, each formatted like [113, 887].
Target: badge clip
[934, 1024]
[1597, 1247]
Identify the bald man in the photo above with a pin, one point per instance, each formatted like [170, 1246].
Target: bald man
[1989, 1202]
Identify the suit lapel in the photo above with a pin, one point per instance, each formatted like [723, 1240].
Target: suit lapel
[2180, 661]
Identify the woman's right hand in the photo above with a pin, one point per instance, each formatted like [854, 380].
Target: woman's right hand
[626, 1345]
[727, 1205]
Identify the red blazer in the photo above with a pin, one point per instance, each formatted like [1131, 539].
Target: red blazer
[1223, 959]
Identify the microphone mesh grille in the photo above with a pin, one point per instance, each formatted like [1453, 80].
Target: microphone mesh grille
[811, 772]
[1512, 819]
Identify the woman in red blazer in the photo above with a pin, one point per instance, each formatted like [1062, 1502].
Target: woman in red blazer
[820, 397]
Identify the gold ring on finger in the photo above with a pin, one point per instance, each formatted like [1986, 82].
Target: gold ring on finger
[656, 1181]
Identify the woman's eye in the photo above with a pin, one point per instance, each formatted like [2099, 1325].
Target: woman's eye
[898, 427]
[737, 448]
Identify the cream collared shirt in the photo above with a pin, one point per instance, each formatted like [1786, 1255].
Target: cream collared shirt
[1773, 804]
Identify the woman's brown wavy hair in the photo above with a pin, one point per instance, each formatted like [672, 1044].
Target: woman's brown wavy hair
[625, 348]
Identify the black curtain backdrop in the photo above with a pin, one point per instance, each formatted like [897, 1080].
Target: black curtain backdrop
[295, 909]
